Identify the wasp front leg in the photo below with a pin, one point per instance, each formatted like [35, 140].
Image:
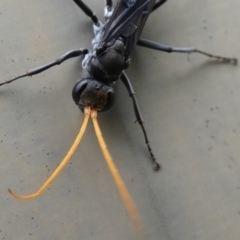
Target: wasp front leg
[164, 48]
[128, 85]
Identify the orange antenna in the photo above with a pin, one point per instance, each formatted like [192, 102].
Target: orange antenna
[126, 197]
[62, 164]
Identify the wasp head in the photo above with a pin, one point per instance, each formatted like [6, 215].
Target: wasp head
[93, 93]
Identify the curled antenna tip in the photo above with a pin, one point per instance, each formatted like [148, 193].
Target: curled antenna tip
[15, 195]
[63, 163]
[26, 197]
[9, 190]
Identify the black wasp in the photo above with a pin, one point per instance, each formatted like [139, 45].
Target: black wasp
[111, 54]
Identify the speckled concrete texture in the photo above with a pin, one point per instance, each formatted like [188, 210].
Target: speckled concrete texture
[190, 105]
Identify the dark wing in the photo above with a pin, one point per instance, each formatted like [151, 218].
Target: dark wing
[127, 21]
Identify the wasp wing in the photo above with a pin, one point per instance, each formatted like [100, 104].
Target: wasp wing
[127, 21]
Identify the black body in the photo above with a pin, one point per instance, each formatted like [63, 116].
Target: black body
[119, 37]
[113, 45]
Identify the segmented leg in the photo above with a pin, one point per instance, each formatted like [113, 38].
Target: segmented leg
[109, 3]
[158, 4]
[165, 48]
[108, 10]
[87, 11]
[64, 57]
[129, 87]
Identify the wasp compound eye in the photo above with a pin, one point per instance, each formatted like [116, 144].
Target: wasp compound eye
[93, 93]
[110, 100]
[78, 89]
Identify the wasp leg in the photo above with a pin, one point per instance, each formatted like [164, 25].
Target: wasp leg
[108, 10]
[109, 3]
[64, 57]
[158, 4]
[165, 48]
[129, 87]
[87, 11]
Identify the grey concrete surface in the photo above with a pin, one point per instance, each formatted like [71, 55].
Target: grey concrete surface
[191, 111]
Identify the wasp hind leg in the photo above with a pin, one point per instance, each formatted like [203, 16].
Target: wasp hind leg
[87, 11]
[128, 85]
[108, 10]
[158, 4]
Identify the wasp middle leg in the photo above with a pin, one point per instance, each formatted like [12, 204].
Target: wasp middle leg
[165, 48]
